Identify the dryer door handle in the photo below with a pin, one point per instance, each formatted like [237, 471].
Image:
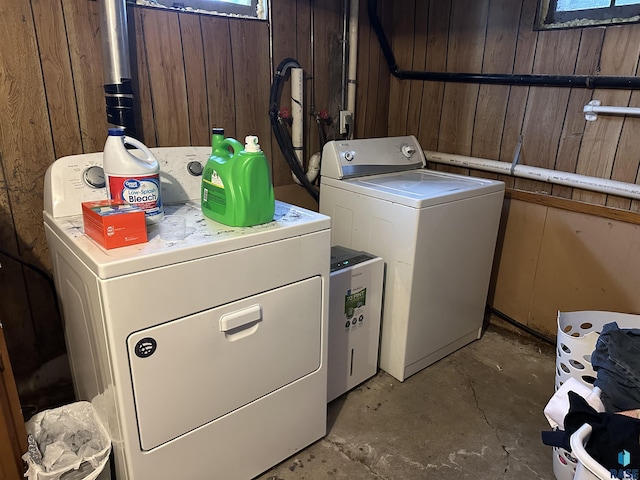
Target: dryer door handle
[240, 318]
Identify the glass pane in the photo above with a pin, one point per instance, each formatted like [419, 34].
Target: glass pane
[239, 2]
[571, 5]
[619, 3]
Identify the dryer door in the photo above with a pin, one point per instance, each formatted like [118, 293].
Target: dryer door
[190, 371]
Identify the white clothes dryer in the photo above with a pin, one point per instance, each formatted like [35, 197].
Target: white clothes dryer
[435, 231]
[206, 357]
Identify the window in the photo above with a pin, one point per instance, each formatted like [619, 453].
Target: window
[584, 13]
[242, 8]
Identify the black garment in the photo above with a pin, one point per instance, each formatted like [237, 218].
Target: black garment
[616, 360]
[611, 434]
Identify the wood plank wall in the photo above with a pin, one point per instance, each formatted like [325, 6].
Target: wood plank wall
[496, 36]
[191, 73]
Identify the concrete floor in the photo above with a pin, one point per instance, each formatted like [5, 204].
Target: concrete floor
[476, 414]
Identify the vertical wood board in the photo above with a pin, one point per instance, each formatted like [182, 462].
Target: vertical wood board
[465, 53]
[402, 44]
[436, 61]
[165, 60]
[250, 50]
[196, 82]
[56, 68]
[574, 123]
[219, 70]
[416, 88]
[85, 49]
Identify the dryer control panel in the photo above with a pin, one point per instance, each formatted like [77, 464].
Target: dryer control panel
[371, 156]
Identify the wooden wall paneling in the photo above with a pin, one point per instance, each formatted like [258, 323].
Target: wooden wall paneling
[283, 34]
[402, 44]
[145, 123]
[167, 75]
[251, 78]
[516, 258]
[196, 81]
[585, 263]
[219, 70]
[556, 53]
[15, 310]
[327, 70]
[436, 61]
[574, 123]
[26, 150]
[85, 50]
[373, 77]
[13, 435]
[419, 63]
[384, 77]
[465, 52]
[627, 161]
[525, 54]
[499, 57]
[56, 69]
[620, 52]
[366, 89]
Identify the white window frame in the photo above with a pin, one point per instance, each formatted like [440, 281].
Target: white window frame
[256, 10]
[548, 18]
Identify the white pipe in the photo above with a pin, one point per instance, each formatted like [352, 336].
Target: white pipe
[353, 60]
[584, 182]
[297, 127]
[593, 108]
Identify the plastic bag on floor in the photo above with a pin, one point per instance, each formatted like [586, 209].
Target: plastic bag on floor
[71, 444]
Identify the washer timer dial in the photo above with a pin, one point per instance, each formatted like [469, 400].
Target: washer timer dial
[408, 150]
[94, 177]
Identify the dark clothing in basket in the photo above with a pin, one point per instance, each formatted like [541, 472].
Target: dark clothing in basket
[611, 434]
[616, 361]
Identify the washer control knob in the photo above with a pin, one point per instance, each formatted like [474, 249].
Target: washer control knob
[408, 150]
[194, 168]
[94, 177]
[348, 156]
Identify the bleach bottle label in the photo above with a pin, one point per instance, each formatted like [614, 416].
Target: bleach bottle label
[141, 191]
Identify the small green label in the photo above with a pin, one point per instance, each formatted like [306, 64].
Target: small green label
[353, 301]
[214, 198]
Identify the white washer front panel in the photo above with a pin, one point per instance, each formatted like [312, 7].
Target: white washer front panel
[193, 370]
[418, 188]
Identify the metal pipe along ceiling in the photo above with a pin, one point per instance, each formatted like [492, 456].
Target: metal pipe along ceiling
[569, 81]
[116, 66]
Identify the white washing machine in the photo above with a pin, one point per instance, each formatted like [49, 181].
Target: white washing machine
[435, 231]
[207, 356]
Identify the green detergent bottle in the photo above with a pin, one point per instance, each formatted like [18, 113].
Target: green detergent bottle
[236, 183]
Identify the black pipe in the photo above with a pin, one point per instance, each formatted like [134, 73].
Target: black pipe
[279, 129]
[570, 81]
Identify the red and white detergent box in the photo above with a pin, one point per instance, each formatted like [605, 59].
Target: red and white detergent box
[113, 223]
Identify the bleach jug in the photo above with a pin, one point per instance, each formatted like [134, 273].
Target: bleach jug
[132, 179]
[236, 183]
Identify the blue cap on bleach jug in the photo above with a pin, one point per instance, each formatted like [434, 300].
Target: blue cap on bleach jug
[116, 132]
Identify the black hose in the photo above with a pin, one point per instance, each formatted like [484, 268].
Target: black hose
[569, 81]
[39, 271]
[280, 130]
[519, 325]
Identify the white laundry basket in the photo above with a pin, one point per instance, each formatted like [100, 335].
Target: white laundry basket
[578, 333]
[587, 468]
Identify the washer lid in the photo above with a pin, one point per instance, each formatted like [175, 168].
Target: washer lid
[422, 188]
